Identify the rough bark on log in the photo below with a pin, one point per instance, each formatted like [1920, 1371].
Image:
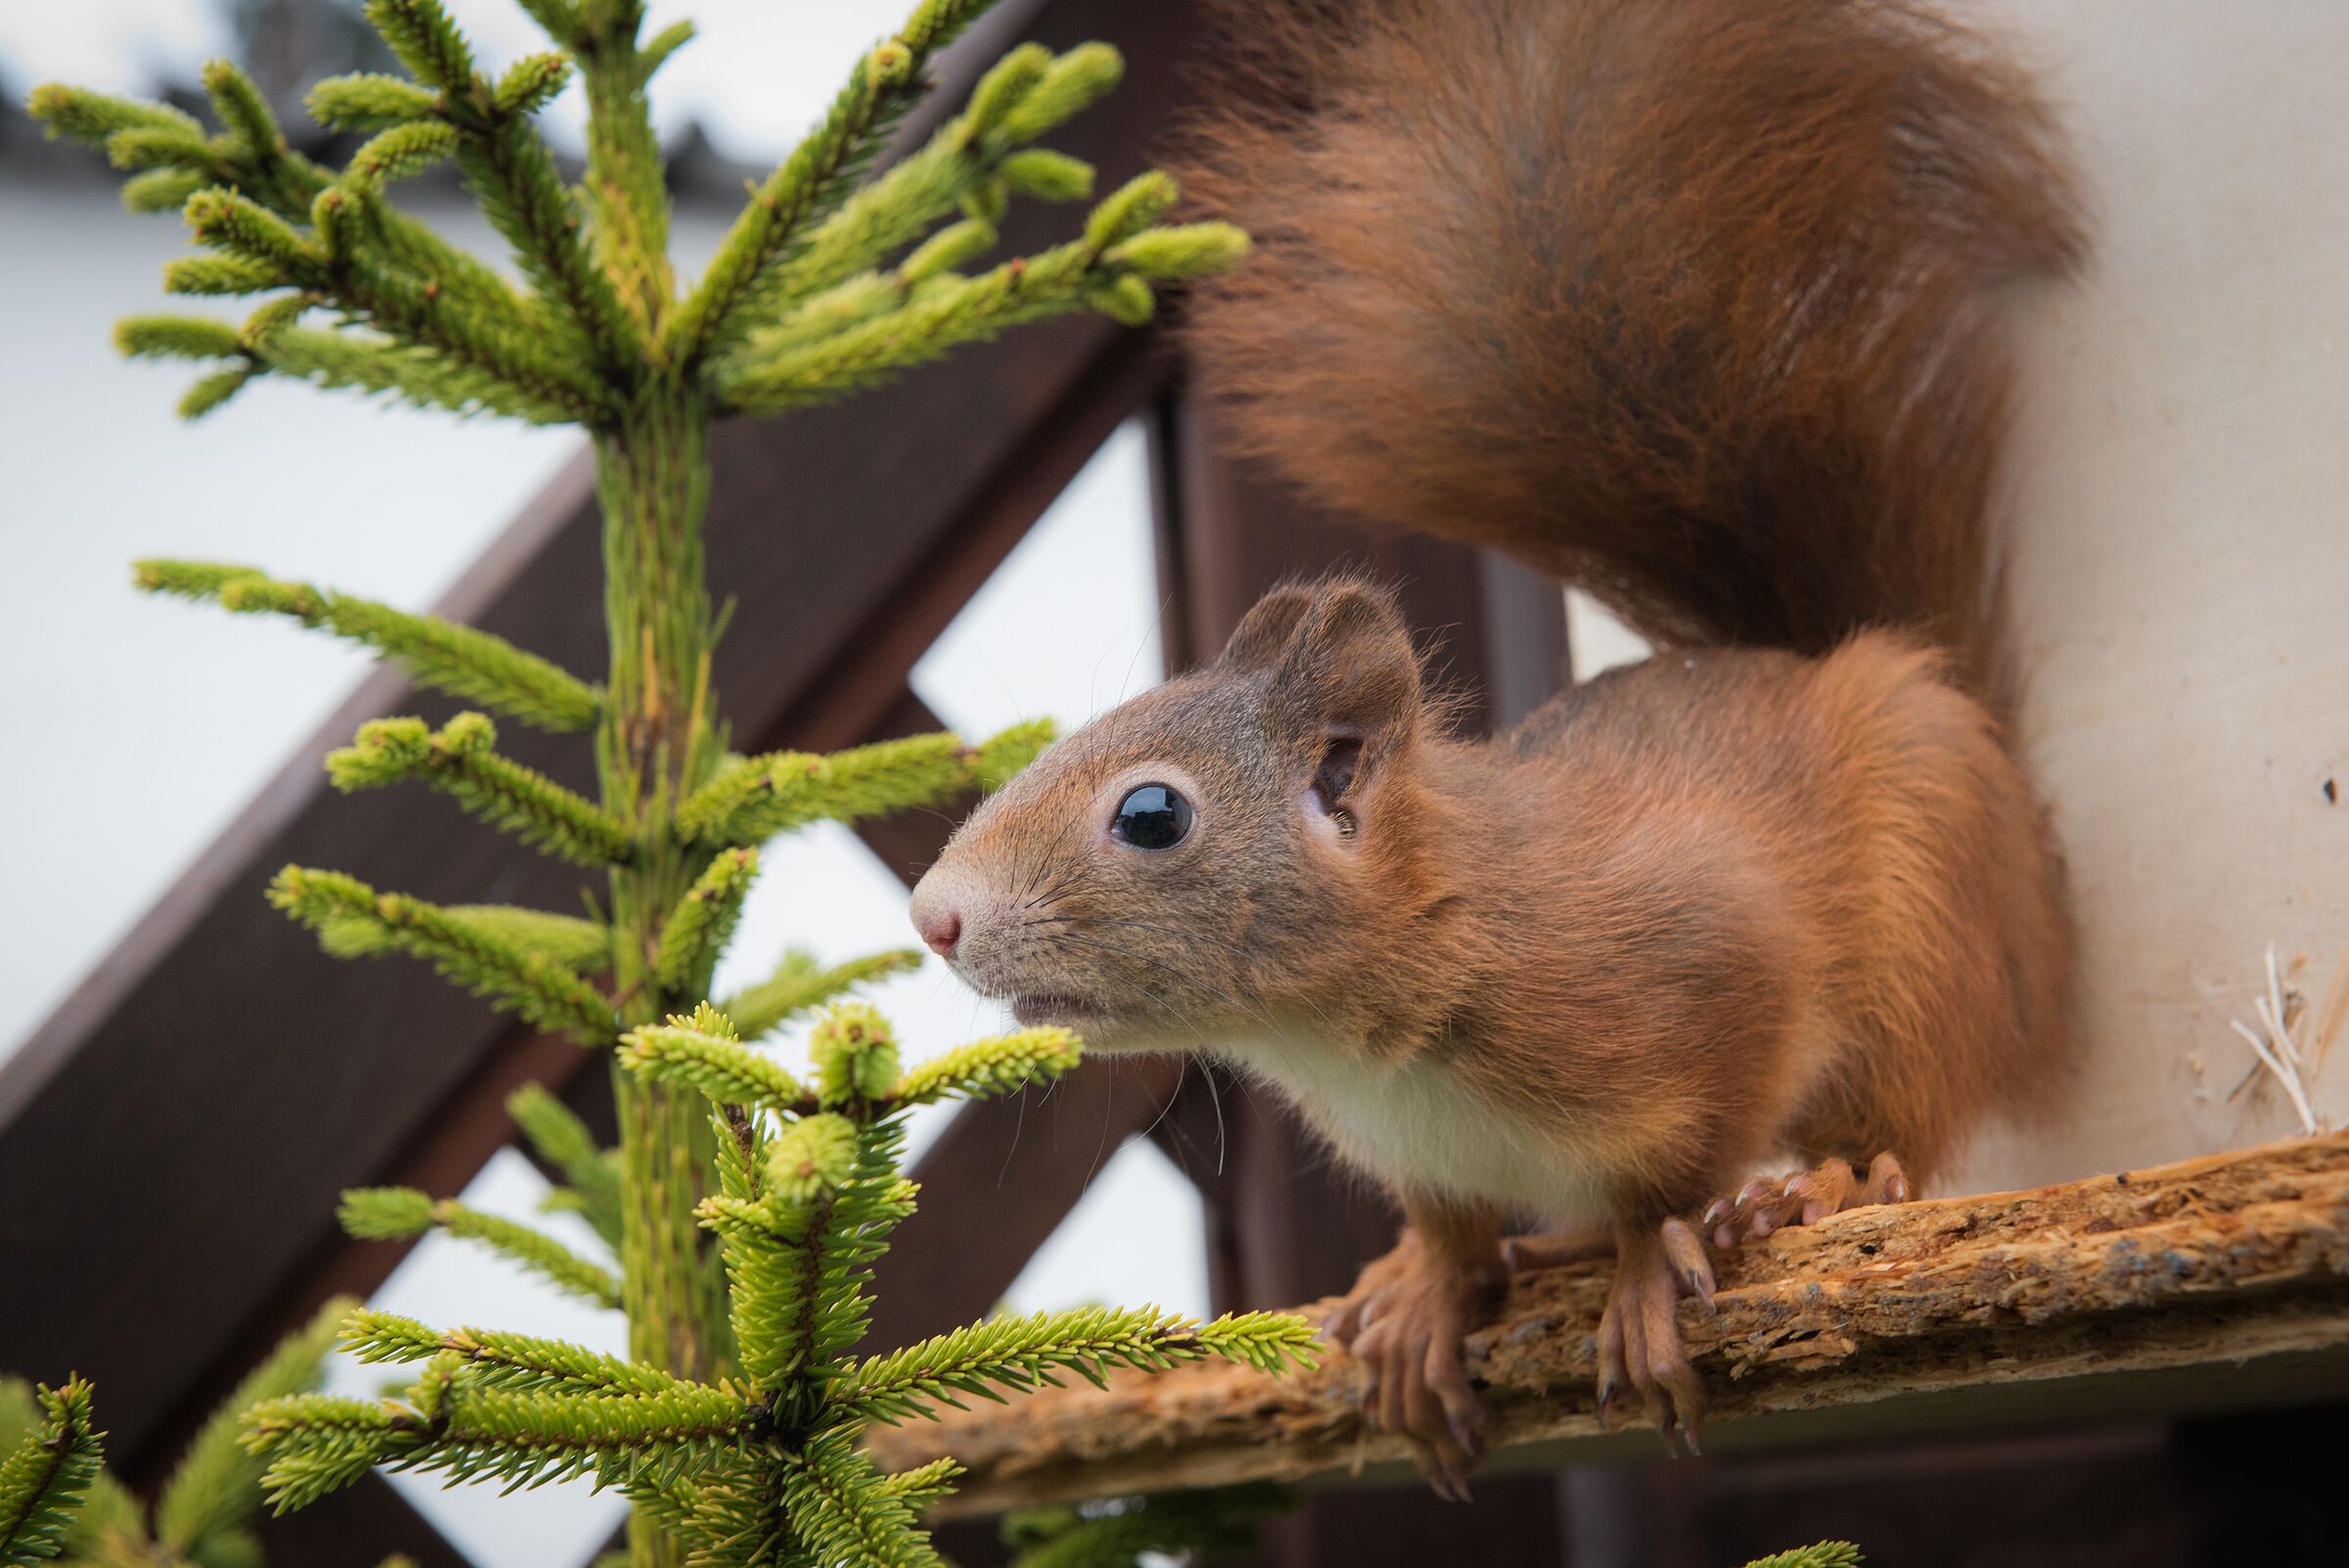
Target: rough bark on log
[2213, 1281]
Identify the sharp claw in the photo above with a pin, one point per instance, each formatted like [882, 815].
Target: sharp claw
[1688, 1436]
[1716, 1211]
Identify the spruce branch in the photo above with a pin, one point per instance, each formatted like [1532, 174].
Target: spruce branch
[947, 310]
[972, 161]
[699, 928]
[752, 799]
[1826, 1554]
[43, 1480]
[438, 654]
[212, 1491]
[800, 983]
[320, 1443]
[458, 761]
[990, 1068]
[402, 1214]
[814, 180]
[798, 1269]
[856, 1055]
[701, 1050]
[410, 373]
[528, 1440]
[365, 103]
[563, 1140]
[514, 1364]
[1024, 1353]
[545, 993]
[842, 1510]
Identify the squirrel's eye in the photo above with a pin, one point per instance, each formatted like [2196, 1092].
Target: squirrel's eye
[1152, 817]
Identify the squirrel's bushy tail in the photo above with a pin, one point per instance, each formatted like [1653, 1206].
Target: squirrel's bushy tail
[1688, 301]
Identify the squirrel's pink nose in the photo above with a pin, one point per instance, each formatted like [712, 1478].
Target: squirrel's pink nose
[942, 929]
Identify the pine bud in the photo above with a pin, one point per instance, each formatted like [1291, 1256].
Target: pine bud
[367, 101]
[1125, 300]
[1190, 250]
[1130, 208]
[402, 152]
[162, 190]
[948, 249]
[1046, 175]
[386, 1214]
[158, 147]
[855, 1054]
[176, 338]
[530, 81]
[1000, 91]
[218, 274]
[1074, 82]
[812, 1156]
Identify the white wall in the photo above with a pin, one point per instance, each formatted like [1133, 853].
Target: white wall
[2181, 495]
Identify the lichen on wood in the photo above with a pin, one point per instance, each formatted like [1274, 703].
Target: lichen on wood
[2218, 1279]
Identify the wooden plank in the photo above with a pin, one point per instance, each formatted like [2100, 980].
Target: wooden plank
[174, 1144]
[2213, 1284]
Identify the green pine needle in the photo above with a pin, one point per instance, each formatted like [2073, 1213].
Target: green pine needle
[699, 928]
[1019, 1354]
[702, 1051]
[440, 654]
[458, 761]
[989, 1069]
[399, 1214]
[842, 1512]
[44, 1479]
[755, 798]
[1826, 1554]
[543, 992]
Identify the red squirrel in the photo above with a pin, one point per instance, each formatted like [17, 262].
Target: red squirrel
[1695, 303]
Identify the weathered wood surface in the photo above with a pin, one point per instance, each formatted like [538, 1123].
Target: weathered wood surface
[2223, 1280]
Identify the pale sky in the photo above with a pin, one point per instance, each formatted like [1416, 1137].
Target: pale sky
[755, 77]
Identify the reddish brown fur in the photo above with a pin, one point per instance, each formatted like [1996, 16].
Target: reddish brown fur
[1687, 300]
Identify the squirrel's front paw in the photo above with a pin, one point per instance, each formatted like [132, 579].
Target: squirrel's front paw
[1639, 1333]
[1405, 1321]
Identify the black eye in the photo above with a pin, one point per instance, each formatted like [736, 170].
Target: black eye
[1152, 817]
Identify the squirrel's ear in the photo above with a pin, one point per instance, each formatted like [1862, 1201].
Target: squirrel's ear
[1264, 632]
[1346, 664]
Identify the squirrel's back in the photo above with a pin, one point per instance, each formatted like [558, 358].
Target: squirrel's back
[1688, 302]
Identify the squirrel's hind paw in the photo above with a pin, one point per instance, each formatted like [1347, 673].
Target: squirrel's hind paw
[1803, 1198]
[1639, 1334]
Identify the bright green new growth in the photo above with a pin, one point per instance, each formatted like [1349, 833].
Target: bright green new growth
[202, 1514]
[44, 1478]
[1826, 1554]
[806, 1198]
[744, 1206]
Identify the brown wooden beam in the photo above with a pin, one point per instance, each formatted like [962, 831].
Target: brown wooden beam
[2217, 1283]
[173, 1141]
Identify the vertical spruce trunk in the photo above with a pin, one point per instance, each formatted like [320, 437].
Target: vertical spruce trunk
[658, 742]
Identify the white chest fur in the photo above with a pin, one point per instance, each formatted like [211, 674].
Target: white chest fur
[1417, 1127]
